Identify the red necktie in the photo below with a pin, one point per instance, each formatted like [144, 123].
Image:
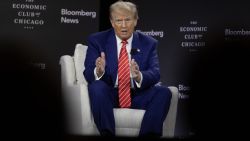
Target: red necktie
[124, 78]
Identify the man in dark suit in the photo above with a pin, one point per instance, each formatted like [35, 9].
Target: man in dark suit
[102, 71]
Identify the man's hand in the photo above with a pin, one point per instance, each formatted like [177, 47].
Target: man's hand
[135, 71]
[100, 64]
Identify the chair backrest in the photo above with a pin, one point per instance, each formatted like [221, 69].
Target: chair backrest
[79, 58]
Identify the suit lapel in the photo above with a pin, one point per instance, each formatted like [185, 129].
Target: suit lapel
[136, 45]
[111, 55]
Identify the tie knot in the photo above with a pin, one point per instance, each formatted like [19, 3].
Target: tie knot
[124, 42]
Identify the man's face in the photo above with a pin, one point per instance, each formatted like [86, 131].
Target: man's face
[123, 23]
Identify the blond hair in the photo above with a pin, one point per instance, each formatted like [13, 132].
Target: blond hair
[126, 6]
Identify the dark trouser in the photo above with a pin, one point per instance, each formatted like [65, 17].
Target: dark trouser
[154, 100]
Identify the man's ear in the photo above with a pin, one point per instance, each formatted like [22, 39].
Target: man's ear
[112, 22]
[135, 23]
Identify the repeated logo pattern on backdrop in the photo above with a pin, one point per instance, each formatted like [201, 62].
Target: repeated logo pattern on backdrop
[189, 34]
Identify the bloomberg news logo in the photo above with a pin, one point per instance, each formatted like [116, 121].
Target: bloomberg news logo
[73, 16]
[153, 33]
[240, 33]
[183, 91]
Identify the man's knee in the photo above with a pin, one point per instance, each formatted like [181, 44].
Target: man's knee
[164, 92]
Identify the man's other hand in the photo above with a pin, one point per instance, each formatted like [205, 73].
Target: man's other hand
[135, 71]
[100, 64]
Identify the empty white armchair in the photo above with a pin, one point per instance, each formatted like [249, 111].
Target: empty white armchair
[76, 102]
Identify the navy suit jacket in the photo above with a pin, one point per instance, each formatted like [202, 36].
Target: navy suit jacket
[105, 41]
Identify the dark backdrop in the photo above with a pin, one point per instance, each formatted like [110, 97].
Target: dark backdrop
[209, 66]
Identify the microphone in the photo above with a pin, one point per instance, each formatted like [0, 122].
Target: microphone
[134, 51]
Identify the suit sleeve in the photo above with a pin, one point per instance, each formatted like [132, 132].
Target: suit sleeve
[151, 73]
[93, 52]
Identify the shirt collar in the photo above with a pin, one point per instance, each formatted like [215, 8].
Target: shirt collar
[129, 40]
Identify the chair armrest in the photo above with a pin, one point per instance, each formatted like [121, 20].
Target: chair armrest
[68, 74]
[169, 123]
[77, 110]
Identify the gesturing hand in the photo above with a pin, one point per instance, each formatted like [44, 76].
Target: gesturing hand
[135, 71]
[100, 64]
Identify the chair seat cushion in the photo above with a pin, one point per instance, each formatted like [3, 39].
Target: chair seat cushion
[128, 118]
[128, 121]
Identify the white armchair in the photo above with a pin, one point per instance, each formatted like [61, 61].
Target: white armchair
[76, 102]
